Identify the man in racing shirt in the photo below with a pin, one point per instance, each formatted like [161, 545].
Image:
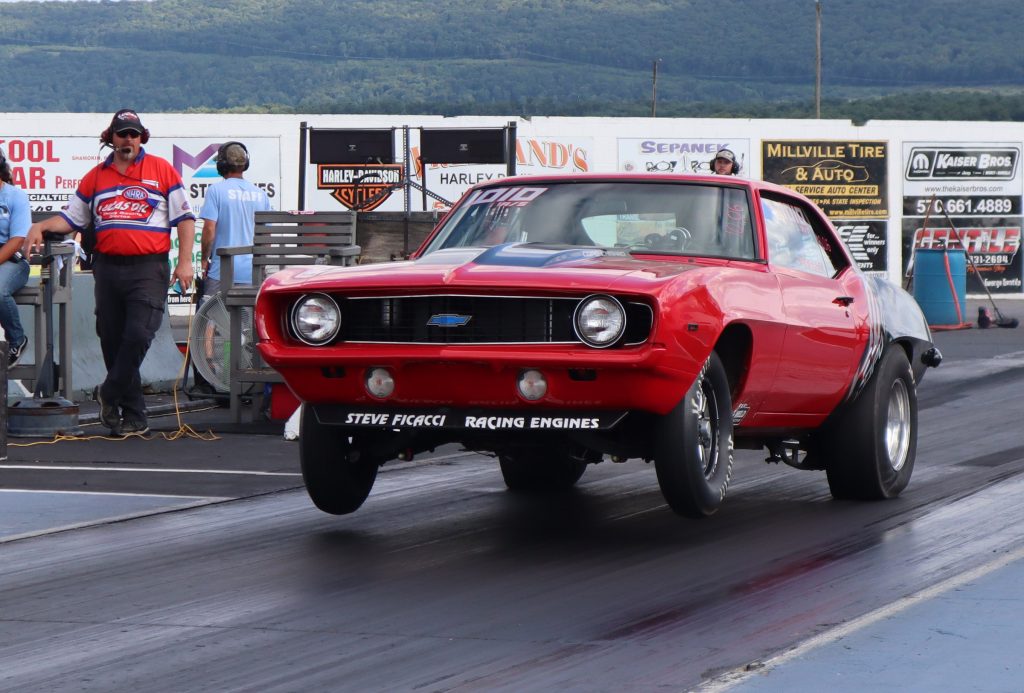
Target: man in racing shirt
[133, 198]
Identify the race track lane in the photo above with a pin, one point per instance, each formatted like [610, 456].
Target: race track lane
[443, 581]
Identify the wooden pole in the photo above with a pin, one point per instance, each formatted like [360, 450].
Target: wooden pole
[654, 89]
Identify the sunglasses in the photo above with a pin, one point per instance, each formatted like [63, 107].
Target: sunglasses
[128, 133]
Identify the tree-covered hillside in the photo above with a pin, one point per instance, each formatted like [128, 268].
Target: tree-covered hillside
[923, 59]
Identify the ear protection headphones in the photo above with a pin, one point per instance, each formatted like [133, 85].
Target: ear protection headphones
[223, 167]
[736, 165]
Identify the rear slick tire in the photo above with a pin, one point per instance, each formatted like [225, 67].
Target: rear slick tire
[869, 450]
[694, 445]
[338, 477]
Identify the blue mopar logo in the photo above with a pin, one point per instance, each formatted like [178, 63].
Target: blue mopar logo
[448, 320]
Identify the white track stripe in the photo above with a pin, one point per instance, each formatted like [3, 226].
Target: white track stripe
[117, 493]
[66, 468]
[110, 520]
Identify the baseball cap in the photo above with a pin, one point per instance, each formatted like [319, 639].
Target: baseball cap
[126, 119]
[234, 155]
[726, 154]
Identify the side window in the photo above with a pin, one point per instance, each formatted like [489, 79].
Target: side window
[795, 242]
[735, 236]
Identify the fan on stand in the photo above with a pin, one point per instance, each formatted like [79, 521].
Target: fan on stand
[210, 345]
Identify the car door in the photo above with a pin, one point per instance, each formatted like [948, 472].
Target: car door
[820, 294]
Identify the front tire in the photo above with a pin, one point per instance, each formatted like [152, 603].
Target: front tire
[869, 450]
[338, 476]
[540, 471]
[693, 452]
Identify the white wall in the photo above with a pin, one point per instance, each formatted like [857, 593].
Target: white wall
[572, 145]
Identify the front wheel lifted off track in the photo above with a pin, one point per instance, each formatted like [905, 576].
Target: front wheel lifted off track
[694, 447]
[540, 471]
[870, 447]
[338, 477]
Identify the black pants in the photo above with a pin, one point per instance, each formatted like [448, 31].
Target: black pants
[130, 298]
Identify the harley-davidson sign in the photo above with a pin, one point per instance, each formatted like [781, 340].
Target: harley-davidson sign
[361, 187]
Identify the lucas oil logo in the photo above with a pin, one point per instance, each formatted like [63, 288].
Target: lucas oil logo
[361, 187]
[131, 204]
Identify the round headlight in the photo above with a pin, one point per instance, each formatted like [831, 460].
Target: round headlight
[600, 321]
[316, 319]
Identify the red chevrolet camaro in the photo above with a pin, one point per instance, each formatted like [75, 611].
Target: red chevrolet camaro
[558, 322]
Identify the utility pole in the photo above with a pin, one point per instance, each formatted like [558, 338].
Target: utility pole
[817, 61]
[654, 89]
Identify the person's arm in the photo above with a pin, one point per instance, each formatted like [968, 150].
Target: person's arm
[210, 214]
[20, 223]
[8, 249]
[76, 215]
[183, 271]
[185, 222]
[34, 238]
[206, 245]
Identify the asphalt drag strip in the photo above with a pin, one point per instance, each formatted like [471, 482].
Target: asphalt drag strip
[25, 514]
[961, 633]
[55, 486]
[50, 486]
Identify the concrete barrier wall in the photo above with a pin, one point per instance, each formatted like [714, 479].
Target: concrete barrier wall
[160, 370]
[875, 178]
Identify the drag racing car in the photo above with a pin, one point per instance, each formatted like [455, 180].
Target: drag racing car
[559, 322]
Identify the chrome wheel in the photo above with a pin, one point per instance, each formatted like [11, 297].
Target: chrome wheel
[897, 427]
[705, 411]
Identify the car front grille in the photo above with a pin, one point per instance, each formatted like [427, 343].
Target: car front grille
[457, 319]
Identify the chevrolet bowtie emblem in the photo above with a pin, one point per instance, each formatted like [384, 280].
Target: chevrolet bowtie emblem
[448, 320]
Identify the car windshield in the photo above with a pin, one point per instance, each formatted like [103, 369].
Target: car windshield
[671, 218]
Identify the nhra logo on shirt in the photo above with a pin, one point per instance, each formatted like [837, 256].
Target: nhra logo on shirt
[134, 194]
[961, 162]
[362, 187]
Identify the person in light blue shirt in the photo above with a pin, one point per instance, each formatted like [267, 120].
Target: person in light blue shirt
[15, 220]
[229, 217]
